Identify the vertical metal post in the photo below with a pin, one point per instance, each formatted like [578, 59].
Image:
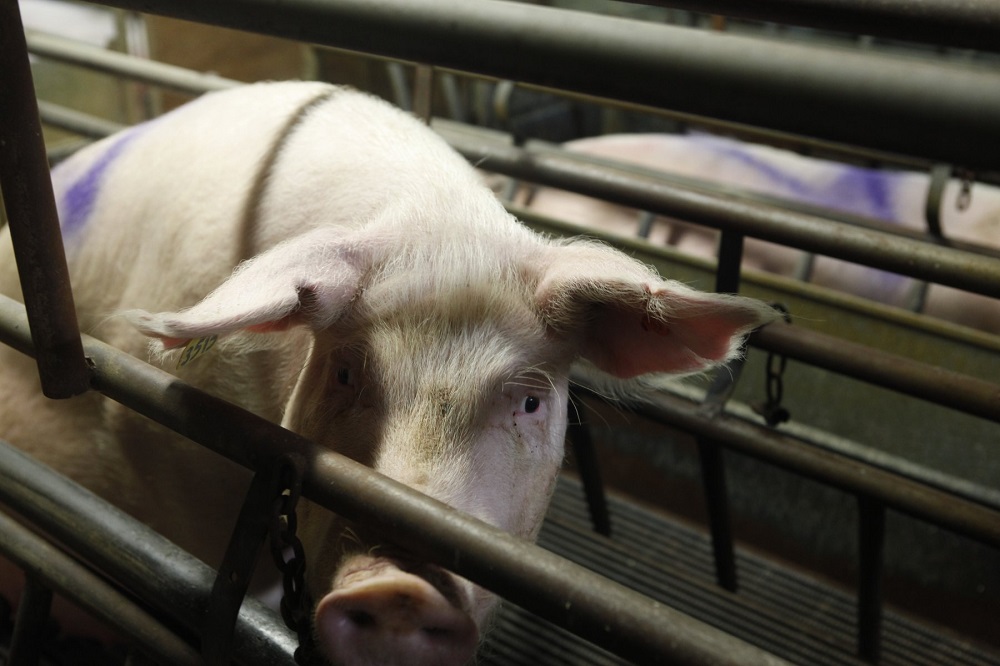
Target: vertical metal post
[713, 469]
[871, 540]
[578, 433]
[32, 616]
[32, 218]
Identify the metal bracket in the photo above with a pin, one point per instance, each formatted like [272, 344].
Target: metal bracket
[240, 559]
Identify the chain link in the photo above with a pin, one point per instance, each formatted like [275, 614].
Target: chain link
[771, 409]
[290, 559]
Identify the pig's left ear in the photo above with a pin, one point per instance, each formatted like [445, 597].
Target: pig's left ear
[308, 280]
[630, 322]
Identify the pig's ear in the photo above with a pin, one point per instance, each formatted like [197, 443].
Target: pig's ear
[308, 280]
[630, 322]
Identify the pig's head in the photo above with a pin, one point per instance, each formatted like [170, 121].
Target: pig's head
[442, 361]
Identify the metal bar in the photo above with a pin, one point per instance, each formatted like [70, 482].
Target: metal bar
[889, 250]
[852, 97]
[239, 562]
[83, 124]
[871, 541]
[578, 434]
[585, 603]
[871, 247]
[713, 482]
[73, 581]
[974, 24]
[140, 559]
[33, 222]
[898, 373]
[857, 477]
[120, 64]
[29, 627]
[727, 276]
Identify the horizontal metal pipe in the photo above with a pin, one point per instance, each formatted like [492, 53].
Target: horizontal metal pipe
[33, 221]
[136, 556]
[77, 122]
[912, 498]
[888, 250]
[931, 110]
[585, 603]
[898, 373]
[75, 582]
[120, 64]
[972, 24]
[893, 252]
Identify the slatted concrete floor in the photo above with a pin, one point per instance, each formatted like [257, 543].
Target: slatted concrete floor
[789, 614]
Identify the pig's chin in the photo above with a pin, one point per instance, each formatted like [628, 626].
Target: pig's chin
[383, 612]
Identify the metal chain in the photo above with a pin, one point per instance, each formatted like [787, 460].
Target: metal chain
[296, 606]
[772, 411]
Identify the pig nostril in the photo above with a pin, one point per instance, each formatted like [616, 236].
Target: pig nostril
[361, 619]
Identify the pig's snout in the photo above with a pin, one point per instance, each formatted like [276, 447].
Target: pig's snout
[381, 615]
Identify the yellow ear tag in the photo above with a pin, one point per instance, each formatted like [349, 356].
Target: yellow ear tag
[195, 348]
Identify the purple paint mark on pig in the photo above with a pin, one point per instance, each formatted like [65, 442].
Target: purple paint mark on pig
[79, 198]
[854, 190]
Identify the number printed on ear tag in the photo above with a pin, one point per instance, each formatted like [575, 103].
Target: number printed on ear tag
[195, 348]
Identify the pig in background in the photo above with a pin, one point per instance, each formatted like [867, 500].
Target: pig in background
[894, 197]
[383, 304]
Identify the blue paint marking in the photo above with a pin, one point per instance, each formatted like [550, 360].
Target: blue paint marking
[855, 190]
[79, 199]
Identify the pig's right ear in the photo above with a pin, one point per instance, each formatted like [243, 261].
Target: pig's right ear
[308, 280]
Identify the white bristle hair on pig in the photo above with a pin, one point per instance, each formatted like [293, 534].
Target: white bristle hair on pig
[368, 293]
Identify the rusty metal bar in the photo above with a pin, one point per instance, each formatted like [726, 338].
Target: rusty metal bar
[898, 373]
[856, 98]
[32, 219]
[601, 611]
[73, 581]
[973, 24]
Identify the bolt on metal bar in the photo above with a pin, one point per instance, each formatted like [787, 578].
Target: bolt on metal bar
[973, 24]
[75, 582]
[851, 97]
[32, 219]
[597, 609]
[177, 583]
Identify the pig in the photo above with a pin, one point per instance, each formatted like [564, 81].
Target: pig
[889, 196]
[352, 280]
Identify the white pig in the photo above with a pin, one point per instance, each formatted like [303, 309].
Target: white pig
[383, 304]
[894, 197]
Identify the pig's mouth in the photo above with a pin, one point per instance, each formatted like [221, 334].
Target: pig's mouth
[384, 611]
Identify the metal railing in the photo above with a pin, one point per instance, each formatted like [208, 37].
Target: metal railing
[515, 41]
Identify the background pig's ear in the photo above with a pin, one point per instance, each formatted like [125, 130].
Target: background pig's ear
[308, 280]
[631, 322]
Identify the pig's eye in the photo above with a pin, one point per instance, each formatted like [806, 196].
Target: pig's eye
[344, 376]
[531, 404]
